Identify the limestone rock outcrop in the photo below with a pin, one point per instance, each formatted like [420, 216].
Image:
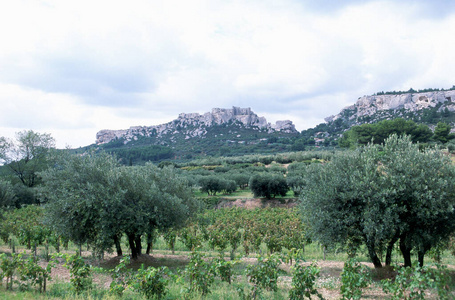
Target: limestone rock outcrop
[411, 102]
[195, 125]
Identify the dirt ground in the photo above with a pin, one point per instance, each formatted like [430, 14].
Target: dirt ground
[328, 282]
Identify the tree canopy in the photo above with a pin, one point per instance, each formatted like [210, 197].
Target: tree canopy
[94, 200]
[27, 155]
[268, 185]
[379, 132]
[378, 195]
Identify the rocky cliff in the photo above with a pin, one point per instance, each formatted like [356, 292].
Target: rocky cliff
[195, 125]
[378, 107]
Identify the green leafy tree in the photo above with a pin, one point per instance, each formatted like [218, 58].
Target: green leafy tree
[379, 132]
[268, 185]
[379, 195]
[442, 133]
[93, 200]
[7, 196]
[27, 155]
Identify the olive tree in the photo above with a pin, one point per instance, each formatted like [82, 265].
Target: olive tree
[379, 195]
[268, 185]
[92, 199]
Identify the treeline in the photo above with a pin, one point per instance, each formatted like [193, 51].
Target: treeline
[379, 132]
[411, 90]
[142, 154]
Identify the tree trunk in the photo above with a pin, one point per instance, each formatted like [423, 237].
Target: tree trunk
[132, 246]
[406, 252]
[388, 256]
[138, 243]
[373, 255]
[149, 248]
[421, 255]
[118, 246]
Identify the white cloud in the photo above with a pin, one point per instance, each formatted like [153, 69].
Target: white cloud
[72, 68]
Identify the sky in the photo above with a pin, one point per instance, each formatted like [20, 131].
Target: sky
[72, 68]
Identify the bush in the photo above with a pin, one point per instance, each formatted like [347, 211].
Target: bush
[201, 274]
[353, 279]
[264, 275]
[81, 273]
[303, 282]
[151, 282]
[412, 282]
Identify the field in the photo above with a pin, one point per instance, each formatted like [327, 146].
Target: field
[328, 283]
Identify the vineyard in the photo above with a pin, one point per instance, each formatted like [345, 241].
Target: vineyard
[229, 253]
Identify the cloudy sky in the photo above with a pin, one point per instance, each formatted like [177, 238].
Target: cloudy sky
[72, 68]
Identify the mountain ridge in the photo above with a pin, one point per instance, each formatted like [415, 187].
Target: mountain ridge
[195, 125]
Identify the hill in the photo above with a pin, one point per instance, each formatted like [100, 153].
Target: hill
[239, 131]
[225, 132]
[428, 107]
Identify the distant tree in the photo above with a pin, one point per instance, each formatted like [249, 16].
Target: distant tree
[211, 184]
[7, 196]
[27, 155]
[299, 145]
[268, 185]
[379, 132]
[442, 133]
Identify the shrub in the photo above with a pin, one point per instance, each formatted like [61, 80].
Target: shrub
[264, 274]
[201, 274]
[303, 282]
[81, 273]
[412, 282]
[151, 282]
[353, 279]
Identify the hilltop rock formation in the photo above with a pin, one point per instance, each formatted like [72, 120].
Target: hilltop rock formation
[195, 125]
[389, 105]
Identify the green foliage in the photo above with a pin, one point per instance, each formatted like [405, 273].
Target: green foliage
[353, 279]
[140, 154]
[121, 277]
[378, 195]
[33, 274]
[170, 236]
[268, 185]
[92, 199]
[413, 282]
[80, 272]
[304, 281]
[9, 268]
[191, 236]
[7, 196]
[215, 184]
[442, 133]
[379, 132]
[201, 274]
[151, 282]
[27, 155]
[264, 274]
[224, 268]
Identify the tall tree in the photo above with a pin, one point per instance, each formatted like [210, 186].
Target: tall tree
[380, 195]
[27, 155]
